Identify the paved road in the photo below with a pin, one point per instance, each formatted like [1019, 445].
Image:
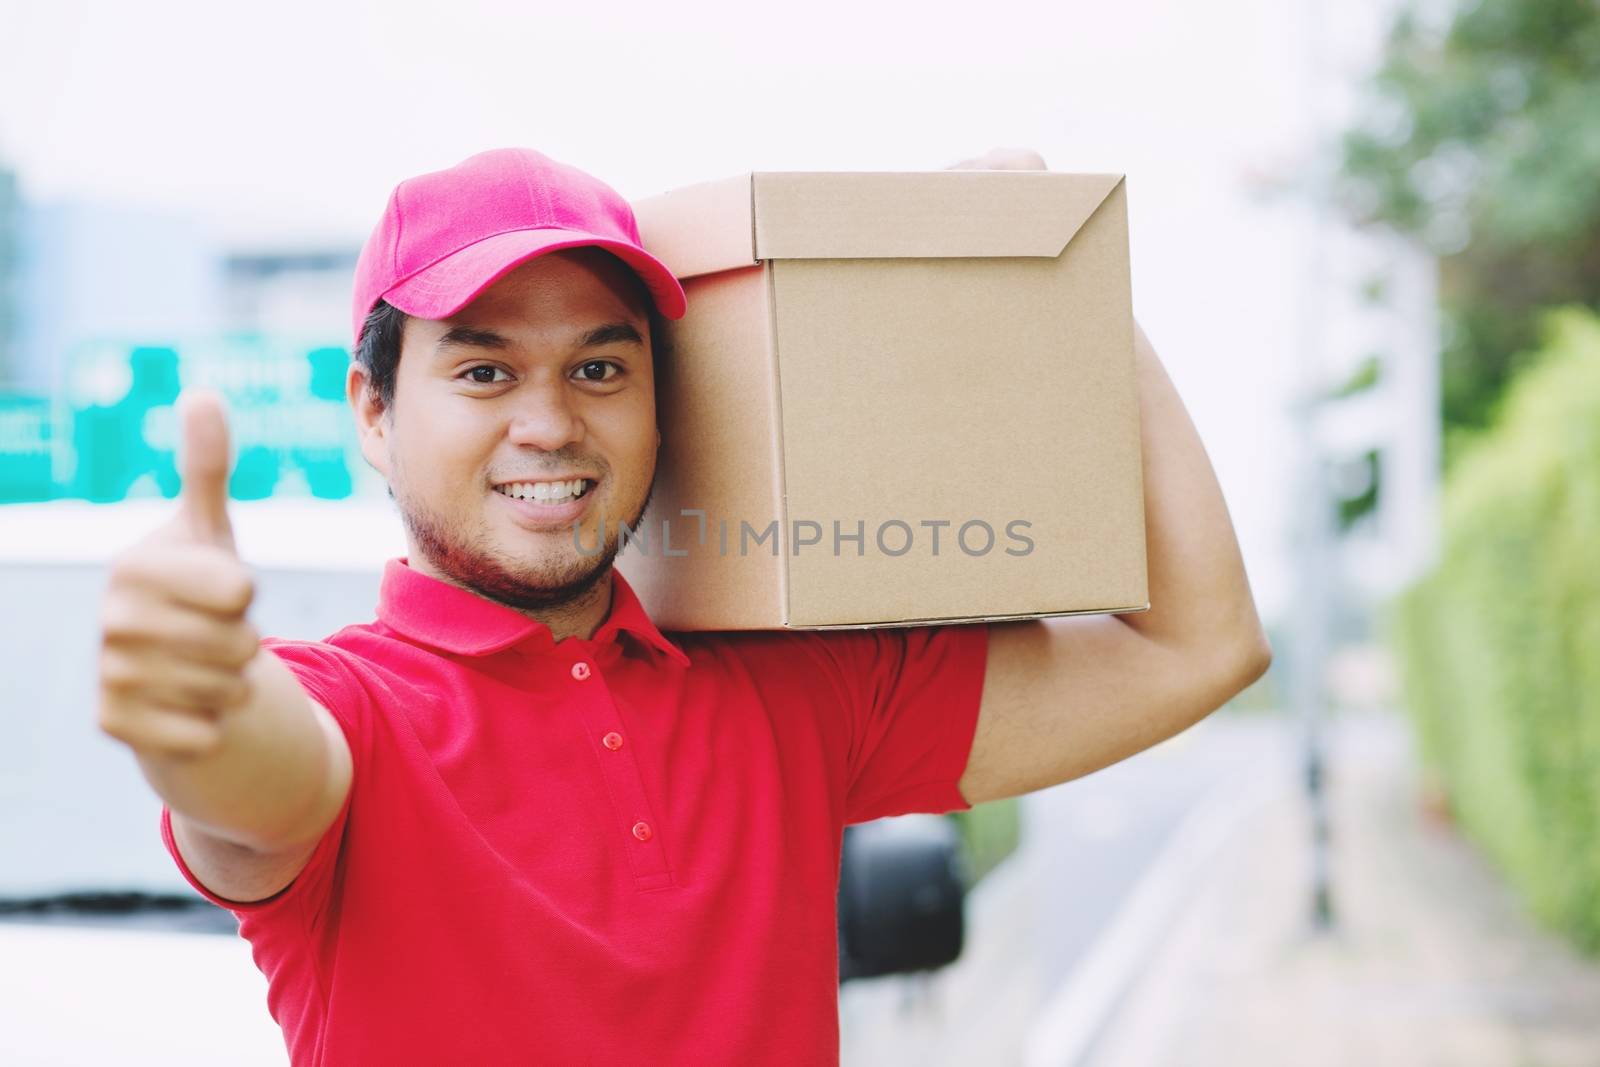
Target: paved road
[1434, 959]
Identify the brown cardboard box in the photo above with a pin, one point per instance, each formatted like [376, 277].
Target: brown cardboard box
[867, 356]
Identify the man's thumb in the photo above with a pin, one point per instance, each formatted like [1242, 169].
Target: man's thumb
[204, 459]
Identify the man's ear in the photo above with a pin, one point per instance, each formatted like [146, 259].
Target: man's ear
[372, 417]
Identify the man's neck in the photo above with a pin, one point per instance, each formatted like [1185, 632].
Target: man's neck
[579, 617]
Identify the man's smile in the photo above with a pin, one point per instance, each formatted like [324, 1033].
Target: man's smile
[547, 491]
[548, 504]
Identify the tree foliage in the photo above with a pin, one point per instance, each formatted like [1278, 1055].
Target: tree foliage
[1482, 138]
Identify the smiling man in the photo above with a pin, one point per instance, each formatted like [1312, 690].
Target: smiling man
[529, 411]
[510, 820]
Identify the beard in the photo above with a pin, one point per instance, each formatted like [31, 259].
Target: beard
[469, 562]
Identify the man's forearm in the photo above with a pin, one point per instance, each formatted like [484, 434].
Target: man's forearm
[1199, 593]
[263, 785]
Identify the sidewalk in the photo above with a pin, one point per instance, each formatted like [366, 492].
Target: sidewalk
[1432, 961]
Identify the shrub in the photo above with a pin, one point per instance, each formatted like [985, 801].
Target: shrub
[1499, 646]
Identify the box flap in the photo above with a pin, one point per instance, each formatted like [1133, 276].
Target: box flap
[938, 214]
[700, 229]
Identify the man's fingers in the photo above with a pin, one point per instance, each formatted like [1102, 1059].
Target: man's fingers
[204, 455]
[170, 681]
[207, 577]
[1003, 159]
[153, 728]
[200, 637]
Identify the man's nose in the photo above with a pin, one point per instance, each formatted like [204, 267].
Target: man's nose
[546, 419]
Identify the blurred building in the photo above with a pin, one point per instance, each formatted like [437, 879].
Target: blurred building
[299, 292]
[90, 274]
[10, 240]
[108, 311]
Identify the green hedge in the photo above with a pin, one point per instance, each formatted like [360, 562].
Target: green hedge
[1499, 646]
[989, 833]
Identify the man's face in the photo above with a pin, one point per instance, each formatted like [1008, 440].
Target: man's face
[542, 381]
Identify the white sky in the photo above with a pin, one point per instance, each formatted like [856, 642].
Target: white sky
[289, 123]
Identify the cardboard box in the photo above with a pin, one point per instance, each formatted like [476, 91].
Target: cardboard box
[896, 398]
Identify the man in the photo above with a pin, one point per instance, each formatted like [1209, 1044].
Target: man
[510, 821]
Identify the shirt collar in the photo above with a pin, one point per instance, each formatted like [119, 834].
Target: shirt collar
[452, 619]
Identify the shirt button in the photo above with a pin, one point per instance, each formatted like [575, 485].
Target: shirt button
[613, 740]
[641, 830]
[580, 670]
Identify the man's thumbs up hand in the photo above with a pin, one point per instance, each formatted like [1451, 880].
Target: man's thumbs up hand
[175, 641]
[204, 463]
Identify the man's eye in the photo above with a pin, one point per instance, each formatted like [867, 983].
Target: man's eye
[598, 370]
[484, 375]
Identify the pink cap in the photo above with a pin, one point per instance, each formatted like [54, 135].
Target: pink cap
[447, 235]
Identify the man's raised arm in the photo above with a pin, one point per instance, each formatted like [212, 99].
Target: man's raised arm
[1065, 697]
[252, 769]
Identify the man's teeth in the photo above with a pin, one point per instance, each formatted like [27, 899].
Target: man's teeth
[546, 492]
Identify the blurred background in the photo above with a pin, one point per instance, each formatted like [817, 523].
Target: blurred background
[1365, 241]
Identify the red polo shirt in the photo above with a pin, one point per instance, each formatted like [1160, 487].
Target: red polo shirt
[615, 851]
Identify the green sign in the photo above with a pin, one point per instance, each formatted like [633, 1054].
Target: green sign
[111, 432]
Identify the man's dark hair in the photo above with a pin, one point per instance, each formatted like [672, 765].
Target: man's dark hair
[378, 350]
